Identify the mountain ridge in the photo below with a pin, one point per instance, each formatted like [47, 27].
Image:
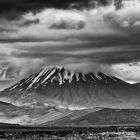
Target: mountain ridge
[59, 96]
[60, 87]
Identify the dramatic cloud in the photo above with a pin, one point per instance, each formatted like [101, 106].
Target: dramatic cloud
[130, 72]
[95, 38]
[27, 5]
[13, 9]
[29, 22]
[68, 24]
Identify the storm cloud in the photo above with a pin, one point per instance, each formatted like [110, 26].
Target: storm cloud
[64, 24]
[86, 36]
[25, 5]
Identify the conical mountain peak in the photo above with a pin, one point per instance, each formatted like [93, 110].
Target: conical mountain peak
[60, 76]
[59, 86]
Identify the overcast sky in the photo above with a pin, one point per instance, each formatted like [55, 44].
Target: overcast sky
[84, 35]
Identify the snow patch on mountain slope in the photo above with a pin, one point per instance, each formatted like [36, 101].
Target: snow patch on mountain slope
[61, 75]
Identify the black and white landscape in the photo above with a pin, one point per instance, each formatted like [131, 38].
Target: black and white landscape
[57, 96]
[70, 69]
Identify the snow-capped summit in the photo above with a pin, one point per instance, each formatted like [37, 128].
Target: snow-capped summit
[61, 76]
[60, 87]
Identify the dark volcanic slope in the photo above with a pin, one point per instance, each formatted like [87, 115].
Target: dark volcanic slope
[64, 89]
[137, 85]
[102, 117]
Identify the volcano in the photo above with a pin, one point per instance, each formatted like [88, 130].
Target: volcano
[61, 88]
[57, 96]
